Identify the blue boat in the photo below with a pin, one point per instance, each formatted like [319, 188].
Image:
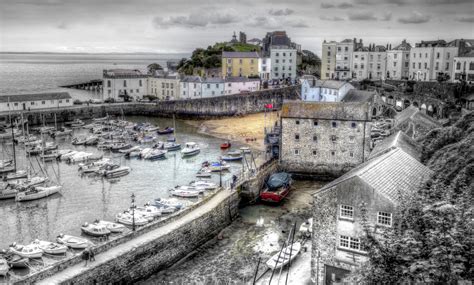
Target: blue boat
[166, 131]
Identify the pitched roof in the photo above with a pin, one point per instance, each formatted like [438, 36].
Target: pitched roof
[403, 46]
[326, 110]
[194, 79]
[393, 174]
[332, 84]
[412, 113]
[467, 54]
[396, 140]
[240, 79]
[123, 72]
[34, 97]
[239, 54]
[212, 80]
[355, 95]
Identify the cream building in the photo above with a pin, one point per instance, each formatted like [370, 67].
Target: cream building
[369, 63]
[464, 67]
[398, 61]
[26, 102]
[165, 87]
[429, 59]
[239, 63]
[328, 62]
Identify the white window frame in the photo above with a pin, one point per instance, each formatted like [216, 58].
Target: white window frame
[384, 219]
[343, 209]
[350, 243]
[296, 151]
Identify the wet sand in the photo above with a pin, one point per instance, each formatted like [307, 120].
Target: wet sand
[239, 128]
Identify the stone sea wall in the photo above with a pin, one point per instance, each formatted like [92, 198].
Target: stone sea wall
[222, 106]
[251, 189]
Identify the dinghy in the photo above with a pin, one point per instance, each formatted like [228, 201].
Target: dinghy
[282, 258]
[117, 172]
[73, 242]
[111, 226]
[95, 230]
[204, 184]
[50, 247]
[126, 218]
[29, 251]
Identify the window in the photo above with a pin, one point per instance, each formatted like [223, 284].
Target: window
[297, 137]
[351, 154]
[131, 90]
[349, 242]
[240, 61]
[426, 55]
[333, 138]
[458, 66]
[353, 125]
[297, 122]
[384, 218]
[60, 101]
[346, 48]
[356, 56]
[395, 56]
[297, 152]
[346, 211]
[125, 83]
[16, 104]
[338, 48]
[329, 53]
[426, 65]
[447, 65]
[394, 64]
[208, 86]
[333, 153]
[43, 102]
[334, 124]
[138, 90]
[109, 84]
[140, 83]
[251, 61]
[437, 66]
[276, 60]
[277, 54]
[437, 55]
[229, 61]
[419, 65]
[315, 138]
[67, 101]
[315, 152]
[414, 55]
[284, 54]
[355, 66]
[471, 66]
[448, 55]
[315, 123]
[414, 65]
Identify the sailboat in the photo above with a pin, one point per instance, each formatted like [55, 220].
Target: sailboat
[171, 144]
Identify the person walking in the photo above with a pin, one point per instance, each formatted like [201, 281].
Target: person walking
[91, 255]
[85, 256]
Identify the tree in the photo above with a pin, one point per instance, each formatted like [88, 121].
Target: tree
[154, 67]
[310, 63]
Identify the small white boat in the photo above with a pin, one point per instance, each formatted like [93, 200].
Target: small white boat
[171, 146]
[129, 150]
[50, 247]
[16, 175]
[67, 155]
[185, 193]
[145, 151]
[190, 149]
[79, 156]
[37, 192]
[199, 189]
[8, 192]
[204, 184]
[117, 172]
[95, 230]
[111, 226]
[282, 258]
[219, 166]
[30, 250]
[155, 154]
[73, 242]
[4, 268]
[170, 202]
[127, 219]
[148, 211]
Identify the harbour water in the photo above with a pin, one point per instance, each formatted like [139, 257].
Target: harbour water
[41, 72]
[84, 199]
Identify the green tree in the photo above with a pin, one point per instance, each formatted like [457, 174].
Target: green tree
[154, 67]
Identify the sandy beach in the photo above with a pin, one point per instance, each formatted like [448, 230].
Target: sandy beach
[247, 129]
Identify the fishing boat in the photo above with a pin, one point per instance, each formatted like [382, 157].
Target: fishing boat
[190, 149]
[284, 256]
[226, 145]
[50, 247]
[166, 131]
[4, 268]
[95, 230]
[155, 154]
[171, 146]
[126, 218]
[117, 172]
[204, 184]
[73, 242]
[111, 226]
[276, 188]
[232, 156]
[37, 192]
[29, 251]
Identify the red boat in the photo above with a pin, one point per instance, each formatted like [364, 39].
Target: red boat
[225, 145]
[276, 188]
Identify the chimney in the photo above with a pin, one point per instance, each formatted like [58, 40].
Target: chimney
[355, 41]
[390, 46]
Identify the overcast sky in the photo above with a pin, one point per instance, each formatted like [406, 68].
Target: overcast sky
[182, 25]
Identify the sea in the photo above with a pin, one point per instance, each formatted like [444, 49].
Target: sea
[45, 72]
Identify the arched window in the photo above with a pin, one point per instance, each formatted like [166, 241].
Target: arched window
[471, 65]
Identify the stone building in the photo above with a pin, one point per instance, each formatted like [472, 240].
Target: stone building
[25, 102]
[119, 84]
[376, 104]
[324, 139]
[377, 186]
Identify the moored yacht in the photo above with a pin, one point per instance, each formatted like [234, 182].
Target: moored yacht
[190, 149]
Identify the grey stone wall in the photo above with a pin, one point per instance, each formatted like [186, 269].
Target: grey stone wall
[251, 190]
[323, 157]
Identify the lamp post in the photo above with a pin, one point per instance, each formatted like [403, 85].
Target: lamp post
[133, 211]
[220, 174]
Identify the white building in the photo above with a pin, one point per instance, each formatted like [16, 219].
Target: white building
[283, 63]
[122, 83]
[237, 85]
[212, 86]
[344, 52]
[464, 67]
[264, 68]
[369, 63]
[164, 86]
[190, 87]
[323, 90]
[429, 59]
[398, 61]
[328, 61]
[26, 102]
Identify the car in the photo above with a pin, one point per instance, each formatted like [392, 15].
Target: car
[109, 100]
[77, 102]
[95, 101]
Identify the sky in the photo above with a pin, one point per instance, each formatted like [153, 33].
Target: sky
[179, 26]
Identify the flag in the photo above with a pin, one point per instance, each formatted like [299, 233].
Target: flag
[269, 106]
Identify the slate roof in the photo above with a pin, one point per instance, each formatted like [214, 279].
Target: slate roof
[355, 95]
[396, 140]
[403, 46]
[240, 79]
[393, 174]
[331, 84]
[468, 54]
[414, 114]
[191, 79]
[213, 80]
[239, 54]
[34, 97]
[123, 73]
[326, 110]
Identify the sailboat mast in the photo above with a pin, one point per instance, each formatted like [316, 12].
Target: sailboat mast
[13, 144]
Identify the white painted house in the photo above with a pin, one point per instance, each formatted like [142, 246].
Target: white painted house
[121, 83]
[283, 63]
[323, 90]
[212, 86]
[237, 85]
[190, 87]
[26, 102]
[264, 68]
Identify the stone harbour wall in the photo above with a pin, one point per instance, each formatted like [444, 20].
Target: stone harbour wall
[250, 190]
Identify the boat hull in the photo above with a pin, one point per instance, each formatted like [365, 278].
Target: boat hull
[274, 196]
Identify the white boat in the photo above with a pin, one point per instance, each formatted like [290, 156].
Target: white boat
[67, 155]
[79, 156]
[133, 154]
[190, 149]
[73, 242]
[50, 247]
[199, 189]
[117, 172]
[218, 166]
[77, 123]
[61, 133]
[170, 202]
[8, 192]
[306, 228]
[45, 129]
[30, 250]
[204, 184]
[129, 150]
[37, 192]
[171, 146]
[62, 152]
[111, 226]
[184, 193]
[95, 230]
[145, 151]
[4, 268]
[282, 258]
[16, 175]
[155, 154]
[149, 211]
[127, 219]
[33, 181]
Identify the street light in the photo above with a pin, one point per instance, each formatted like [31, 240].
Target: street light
[220, 174]
[133, 211]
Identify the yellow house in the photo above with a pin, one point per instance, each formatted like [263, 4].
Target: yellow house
[240, 64]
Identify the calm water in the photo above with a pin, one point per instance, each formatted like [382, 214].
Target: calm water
[23, 73]
[85, 199]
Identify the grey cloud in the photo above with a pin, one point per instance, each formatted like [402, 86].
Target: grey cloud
[298, 24]
[62, 26]
[281, 12]
[335, 18]
[414, 18]
[387, 16]
[276, 23]
[362, 16]
[375, 2]
[344, 5]
[327, 5]
[192, 20]
[469, 19]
